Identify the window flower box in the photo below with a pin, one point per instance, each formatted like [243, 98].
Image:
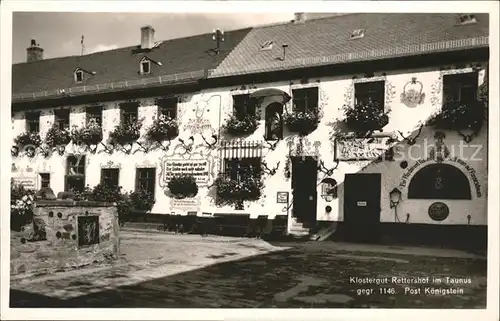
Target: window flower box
[234, 192]
[28, 142]
[89, 135]
[183, 186]
[301, 122]
[457, 115]
[125, 134]
[163, 128]
[238, 126]
[365, 116]
[57, 138]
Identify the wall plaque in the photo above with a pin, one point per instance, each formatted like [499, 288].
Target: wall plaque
[360, 148]
[88, 230]
[282, 197]
[27, 182]
[439, 211]
[199, 168]
[186, 204]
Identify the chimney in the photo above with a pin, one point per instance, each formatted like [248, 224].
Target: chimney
[34, 52]
[147, 37]
[299, 17]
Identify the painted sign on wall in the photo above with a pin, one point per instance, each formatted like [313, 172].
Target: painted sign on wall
[27, 182]
[360, 148]
[199, 168]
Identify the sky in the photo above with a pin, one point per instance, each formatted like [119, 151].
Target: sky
[59, 33]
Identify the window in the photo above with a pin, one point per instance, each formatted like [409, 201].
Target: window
[268, 45]
[78, 76]
[129, 113]
[145, 67]
[358, 33]
[243, 105]
[110, 177]
[75, 173]
[94, 113]
[168, 107]
[305, 99]
[44, 180]
[460, 87]
[62, 118]
[146, 180]
[236, 167]
[274, 122]
[367, 92]
[33, 122]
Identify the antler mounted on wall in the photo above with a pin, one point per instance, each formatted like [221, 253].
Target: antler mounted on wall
[468, 138]
[270, 171]
[271, 146]
[328, 171]
[211, 145]
[143, 147]
[188, 146]
[412, 140]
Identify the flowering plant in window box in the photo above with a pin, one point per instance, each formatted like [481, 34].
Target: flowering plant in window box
[57, 138]
[29, 142]
[458, 115]
[21, 206]
[89, 135]
[234, 191]
[182, 186]
[365, 116]
[125, 134]
[238, 126]
[302, 122]
[163, 128]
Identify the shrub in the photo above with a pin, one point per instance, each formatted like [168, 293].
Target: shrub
[183, 186]
[21, 206]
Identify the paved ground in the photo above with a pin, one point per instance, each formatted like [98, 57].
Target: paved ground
[188, 271]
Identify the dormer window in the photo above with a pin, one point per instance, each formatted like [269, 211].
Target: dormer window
[466, 19]
[268, 45]
[78, 76]
[145, 67]
[358, 33]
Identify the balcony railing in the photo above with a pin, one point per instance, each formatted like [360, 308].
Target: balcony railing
[391, 52]
[111, 87]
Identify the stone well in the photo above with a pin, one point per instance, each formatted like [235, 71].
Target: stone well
[66, 234]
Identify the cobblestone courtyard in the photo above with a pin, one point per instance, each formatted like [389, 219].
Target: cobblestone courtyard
[190, 271]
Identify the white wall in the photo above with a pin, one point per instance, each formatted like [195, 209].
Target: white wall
[203, 113]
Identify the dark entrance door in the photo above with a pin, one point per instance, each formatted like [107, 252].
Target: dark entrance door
[304, 176]
[362, 206]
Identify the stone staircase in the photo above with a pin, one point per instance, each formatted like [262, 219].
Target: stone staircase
[298, 229]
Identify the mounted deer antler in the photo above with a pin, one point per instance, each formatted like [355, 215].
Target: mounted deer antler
[143, 147]
[189, 146]
[164, 147]
[270, 171]
[327, 171]
[211, 145]
[468, 138]
[106, 148]
[412, 140]
[271, 146]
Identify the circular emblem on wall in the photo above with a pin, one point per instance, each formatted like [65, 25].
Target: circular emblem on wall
[439, 211]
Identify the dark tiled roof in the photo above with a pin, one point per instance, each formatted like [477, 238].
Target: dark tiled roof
[327, 40]
[183, 55]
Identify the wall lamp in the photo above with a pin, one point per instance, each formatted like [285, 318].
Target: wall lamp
[395, 197]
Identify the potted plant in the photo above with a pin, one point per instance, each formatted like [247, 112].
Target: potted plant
[22, 203]
[365, 116]
[29, 142]
[89, 135]
[457, 115]
[182, 186]
[231, 191]
[163, 128]
[301, 122]
[125, 134]
[239, 126]
[57, 138]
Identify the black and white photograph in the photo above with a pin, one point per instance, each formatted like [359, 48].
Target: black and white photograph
[234, 158]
